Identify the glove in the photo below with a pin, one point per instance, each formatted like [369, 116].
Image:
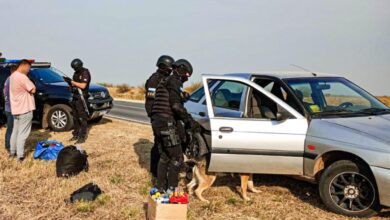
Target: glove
[185, 96]
[194, 126]
[67, 80]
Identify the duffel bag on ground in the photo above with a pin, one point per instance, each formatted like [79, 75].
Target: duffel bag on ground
[71, 161]
[48, 150]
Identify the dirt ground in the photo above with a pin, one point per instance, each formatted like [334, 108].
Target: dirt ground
[119, 157]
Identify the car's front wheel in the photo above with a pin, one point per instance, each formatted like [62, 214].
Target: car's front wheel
[60, 118]
[349, 189]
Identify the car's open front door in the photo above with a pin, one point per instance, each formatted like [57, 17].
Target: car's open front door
[258, 138]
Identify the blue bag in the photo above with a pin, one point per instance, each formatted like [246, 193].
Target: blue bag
[47, 150]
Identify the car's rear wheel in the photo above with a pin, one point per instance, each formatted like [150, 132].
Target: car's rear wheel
[60, 118]
[349, 189]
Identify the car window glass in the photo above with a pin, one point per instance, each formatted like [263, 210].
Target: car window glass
[228, 95]
[269, 86]
[226, 98]
[197, 95]
[46, 75]
[333, 96]
[339, 94]
[304, 92]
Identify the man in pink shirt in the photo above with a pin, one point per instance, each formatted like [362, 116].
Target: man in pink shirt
[22, 106]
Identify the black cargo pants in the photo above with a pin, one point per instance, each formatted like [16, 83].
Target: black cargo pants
[80, 117]
[171, 155]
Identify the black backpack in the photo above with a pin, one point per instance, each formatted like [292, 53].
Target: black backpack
[88, 192]
[71, 161]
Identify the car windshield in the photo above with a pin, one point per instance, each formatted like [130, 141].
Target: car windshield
[335, 96]
[47, 75]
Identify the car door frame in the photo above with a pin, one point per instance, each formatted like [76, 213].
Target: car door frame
[230, 160]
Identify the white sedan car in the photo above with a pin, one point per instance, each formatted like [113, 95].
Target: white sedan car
[317, 126]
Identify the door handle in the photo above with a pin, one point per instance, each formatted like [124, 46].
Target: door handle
[202, 114]
[226, 129]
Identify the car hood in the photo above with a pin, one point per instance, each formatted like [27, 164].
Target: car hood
[377, 127]
[92, 87]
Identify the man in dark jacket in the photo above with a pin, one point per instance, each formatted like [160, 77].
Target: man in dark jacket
[164, 64]
[79, 87]
[168, 110]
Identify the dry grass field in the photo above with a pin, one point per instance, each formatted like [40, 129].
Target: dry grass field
[128, 93]
[385, 99]
[137, 93]
[119, 157]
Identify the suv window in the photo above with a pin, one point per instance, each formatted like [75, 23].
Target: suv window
[46, 75]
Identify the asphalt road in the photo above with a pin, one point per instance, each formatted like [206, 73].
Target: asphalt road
[129, 111]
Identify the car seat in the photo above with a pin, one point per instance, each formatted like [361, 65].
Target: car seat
[258, 109]
[221, 98]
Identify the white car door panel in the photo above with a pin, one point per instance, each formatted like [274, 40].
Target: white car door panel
[258, 144]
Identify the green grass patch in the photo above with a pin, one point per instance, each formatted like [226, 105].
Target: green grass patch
[116, 179]
[102, 199]
[232, 201]
[130, 212]
[84, 206]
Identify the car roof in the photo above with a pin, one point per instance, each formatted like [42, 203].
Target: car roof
[282, 74]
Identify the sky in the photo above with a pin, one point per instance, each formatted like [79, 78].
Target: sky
[120, 41]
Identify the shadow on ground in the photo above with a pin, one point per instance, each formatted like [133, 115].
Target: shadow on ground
[37, 134]
[142, 148]
[304, 191]
[101, 122]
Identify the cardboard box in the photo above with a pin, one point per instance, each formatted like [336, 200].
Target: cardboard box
[159, 211]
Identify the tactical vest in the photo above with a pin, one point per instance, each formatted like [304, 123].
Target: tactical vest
[77, 77]
[161, 104]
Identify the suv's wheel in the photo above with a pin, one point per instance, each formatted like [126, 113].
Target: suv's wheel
[349, 189]
[60, 118]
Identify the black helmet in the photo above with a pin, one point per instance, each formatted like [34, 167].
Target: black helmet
[165, 61]
[183, 64]
[76, 64]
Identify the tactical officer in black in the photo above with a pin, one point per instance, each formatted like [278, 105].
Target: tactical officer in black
[79, 86]
[164, 64]
[167, 112]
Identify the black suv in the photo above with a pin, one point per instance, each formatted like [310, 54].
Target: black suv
[53, 96]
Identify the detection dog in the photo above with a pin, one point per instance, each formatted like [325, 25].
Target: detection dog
[204, 180]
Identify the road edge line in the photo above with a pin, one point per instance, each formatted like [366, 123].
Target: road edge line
[127, 119]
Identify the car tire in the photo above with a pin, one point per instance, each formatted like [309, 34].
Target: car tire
[96, 120]
[349, 189]
[60, 118]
